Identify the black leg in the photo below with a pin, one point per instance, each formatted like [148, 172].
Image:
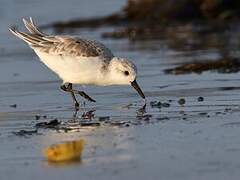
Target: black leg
[83, 94]
[70, 90]
[73, 96]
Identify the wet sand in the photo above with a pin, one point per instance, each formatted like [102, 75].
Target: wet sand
[191, 140]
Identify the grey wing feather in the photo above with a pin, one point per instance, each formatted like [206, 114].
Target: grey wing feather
[61, 45]
[32, 28]
[73, 46]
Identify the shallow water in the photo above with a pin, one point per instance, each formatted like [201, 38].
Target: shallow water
[197, 140]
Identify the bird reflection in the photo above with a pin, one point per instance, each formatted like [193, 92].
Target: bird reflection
[85, 115]
[141, 111]
[87, 119]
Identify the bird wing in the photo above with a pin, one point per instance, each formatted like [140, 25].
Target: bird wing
[61, 45]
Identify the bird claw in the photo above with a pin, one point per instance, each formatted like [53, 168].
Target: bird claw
[63, 87]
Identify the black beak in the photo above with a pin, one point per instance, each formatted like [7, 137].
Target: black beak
[135, 85]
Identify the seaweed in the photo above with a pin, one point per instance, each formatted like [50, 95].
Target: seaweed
[152, 12]
[225, 65]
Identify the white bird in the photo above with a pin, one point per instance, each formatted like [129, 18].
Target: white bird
[79, 61]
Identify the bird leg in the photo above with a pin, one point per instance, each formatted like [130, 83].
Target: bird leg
[70, 90]
[83, 94]
[73, 92]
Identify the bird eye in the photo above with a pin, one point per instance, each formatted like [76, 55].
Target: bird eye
[126, 73]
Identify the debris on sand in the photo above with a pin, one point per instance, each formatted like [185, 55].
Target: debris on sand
[159, 104]
[67, 151]
[37, 117]
[53, 124]
[120, 123]
[91, 124]
[162, 118]
[154, 104]
[25, 132]
[225, 65]
[145, 117]
[165, 104]
[104, 118]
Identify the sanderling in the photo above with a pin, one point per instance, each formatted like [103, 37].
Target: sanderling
[79, 61]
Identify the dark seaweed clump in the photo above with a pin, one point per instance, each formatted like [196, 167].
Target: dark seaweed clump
[154, 14]
[226, 65]
[25, 133]
[181, 10]
[53, 124]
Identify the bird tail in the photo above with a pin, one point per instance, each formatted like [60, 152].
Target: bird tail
[33, 37]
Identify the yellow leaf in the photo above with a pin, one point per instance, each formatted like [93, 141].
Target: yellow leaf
[67, 151]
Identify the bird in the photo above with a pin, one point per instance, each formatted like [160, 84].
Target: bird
[78, 60]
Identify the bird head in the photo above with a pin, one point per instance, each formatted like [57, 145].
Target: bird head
[124, 72]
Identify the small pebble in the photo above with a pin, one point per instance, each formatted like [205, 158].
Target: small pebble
[37, 117]
[200, 99]
[127, 125]
[181, 101]
[13, 105]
